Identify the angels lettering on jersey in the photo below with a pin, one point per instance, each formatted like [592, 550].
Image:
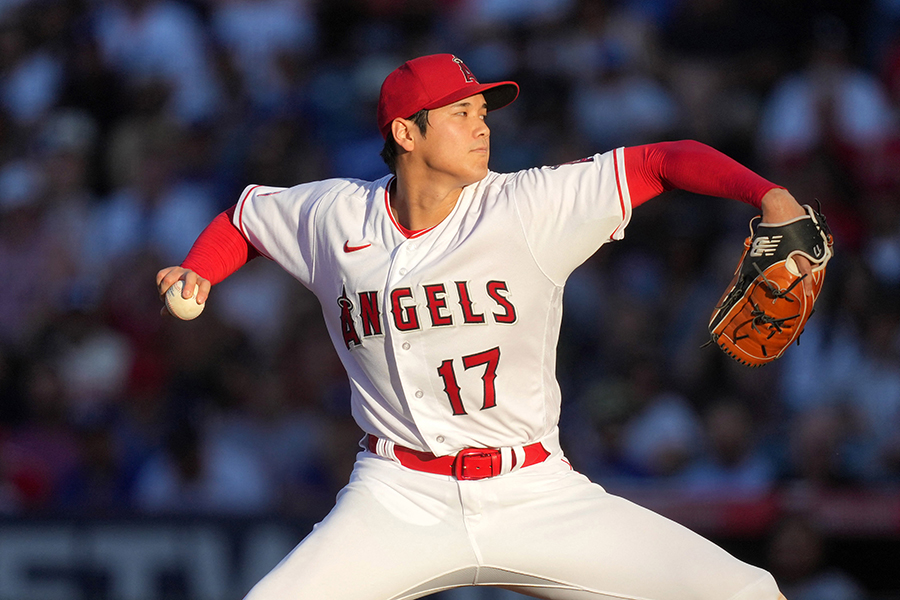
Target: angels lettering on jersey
[431, 305]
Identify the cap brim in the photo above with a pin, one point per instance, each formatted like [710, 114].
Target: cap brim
[501, 94]
[496, 95]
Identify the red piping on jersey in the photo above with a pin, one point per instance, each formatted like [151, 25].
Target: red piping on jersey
[407, 233]
[241, 213]
[618, 189]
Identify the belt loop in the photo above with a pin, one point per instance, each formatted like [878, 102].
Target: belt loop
[511, 458]
[519, 458]
[381, 446]
[506, 460]
[385, 448]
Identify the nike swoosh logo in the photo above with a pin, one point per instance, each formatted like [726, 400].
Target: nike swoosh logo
[348, 248]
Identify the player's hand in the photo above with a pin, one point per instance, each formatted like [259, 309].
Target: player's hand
[168, 276]
[778, 206]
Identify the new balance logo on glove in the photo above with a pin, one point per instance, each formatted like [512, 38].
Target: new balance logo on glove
[765, 245]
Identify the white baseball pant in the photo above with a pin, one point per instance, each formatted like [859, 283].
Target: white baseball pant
[544, 531]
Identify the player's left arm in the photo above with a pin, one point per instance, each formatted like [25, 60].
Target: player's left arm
[698, 168]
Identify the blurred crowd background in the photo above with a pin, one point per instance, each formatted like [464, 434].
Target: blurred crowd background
[127, 125]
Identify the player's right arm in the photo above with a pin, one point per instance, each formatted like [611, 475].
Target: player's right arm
[220, 250]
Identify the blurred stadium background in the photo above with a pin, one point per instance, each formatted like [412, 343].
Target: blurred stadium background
[147, 459]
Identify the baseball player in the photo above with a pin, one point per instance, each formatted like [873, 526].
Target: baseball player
[441, 285]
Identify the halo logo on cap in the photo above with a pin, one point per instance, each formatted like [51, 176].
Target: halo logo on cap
[467, 72]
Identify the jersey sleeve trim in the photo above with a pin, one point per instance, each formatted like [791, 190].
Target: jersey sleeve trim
[239, 216]
[624, 195]
[240, 211]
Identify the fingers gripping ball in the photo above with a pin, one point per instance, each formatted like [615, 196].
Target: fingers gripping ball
[764, 309]
[183, 308]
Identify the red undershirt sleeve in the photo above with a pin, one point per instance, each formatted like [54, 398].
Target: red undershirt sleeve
[220, 249]
[691, 166]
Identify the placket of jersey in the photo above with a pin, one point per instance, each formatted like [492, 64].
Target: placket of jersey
[411, 363]
[416, 375]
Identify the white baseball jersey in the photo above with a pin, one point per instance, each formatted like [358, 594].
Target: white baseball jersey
[448, 336]
[449, 339]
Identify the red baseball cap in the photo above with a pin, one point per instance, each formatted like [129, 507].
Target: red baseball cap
[431, 82]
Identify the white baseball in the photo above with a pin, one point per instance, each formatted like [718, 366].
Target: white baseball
[184, 309]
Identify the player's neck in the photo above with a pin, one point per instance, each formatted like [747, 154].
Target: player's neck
[418, 207]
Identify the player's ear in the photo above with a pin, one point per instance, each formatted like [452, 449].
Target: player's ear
[402, 130]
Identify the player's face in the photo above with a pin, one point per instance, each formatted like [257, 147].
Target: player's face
[457, 142]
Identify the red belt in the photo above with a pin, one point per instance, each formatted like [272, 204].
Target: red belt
[470, 463]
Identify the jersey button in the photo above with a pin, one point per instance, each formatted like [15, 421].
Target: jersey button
[419, 393]
[403, 271]
[406, 345]
[439, 439]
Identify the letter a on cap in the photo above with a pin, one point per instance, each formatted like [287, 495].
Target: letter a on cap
[467, 73]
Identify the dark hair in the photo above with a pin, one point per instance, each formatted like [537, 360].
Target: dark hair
[390, 150]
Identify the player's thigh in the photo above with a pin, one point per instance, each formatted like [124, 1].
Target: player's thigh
[579, 542]
[385, 538]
